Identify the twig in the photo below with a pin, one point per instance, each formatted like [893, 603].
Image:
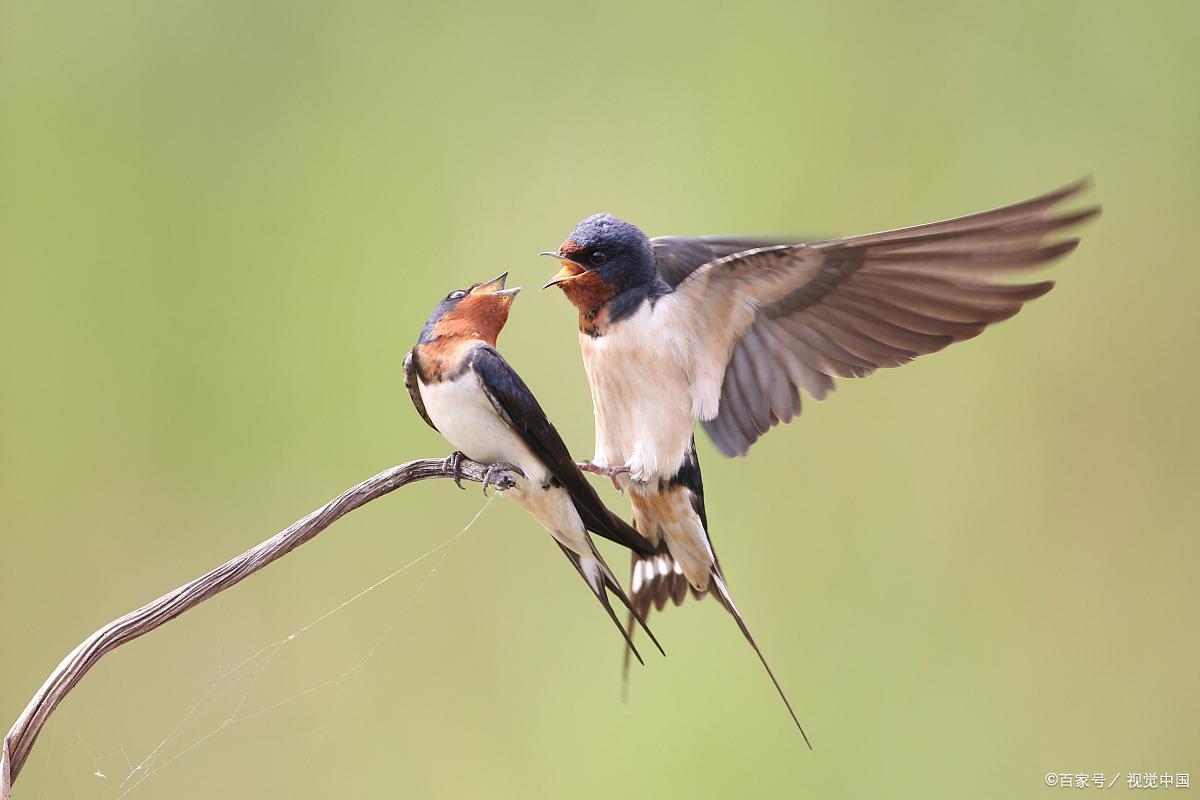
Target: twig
[24, 732]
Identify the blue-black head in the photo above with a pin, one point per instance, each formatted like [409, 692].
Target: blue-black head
[608, 248]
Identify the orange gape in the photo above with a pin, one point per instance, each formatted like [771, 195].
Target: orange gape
[586, 290]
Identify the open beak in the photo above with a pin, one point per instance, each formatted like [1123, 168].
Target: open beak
[570, 270]
[496, 286]
[492, 286]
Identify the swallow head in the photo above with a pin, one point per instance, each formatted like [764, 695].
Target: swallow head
[606, 252]
[477, 312]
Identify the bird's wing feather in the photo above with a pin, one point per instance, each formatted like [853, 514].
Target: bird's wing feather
[680, 256]
[414, 388]
[521, 412]
[798, 316]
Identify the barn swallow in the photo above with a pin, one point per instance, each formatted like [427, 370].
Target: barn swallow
[466, 391]
[727, 331]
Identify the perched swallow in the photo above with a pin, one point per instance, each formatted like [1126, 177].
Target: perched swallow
[466, 391]
[728, 330]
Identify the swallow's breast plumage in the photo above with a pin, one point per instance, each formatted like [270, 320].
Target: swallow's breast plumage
[462, 412]
[639, 374]
[646, 390]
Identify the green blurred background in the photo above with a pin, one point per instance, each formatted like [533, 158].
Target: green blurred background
[222, 225]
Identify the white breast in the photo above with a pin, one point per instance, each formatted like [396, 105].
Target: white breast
[466, 417]
[463, 414]
[642, 393]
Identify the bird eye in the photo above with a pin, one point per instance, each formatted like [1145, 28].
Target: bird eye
[457, 294]
[597, 258]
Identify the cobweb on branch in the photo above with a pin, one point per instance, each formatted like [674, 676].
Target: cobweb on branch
[241, 680]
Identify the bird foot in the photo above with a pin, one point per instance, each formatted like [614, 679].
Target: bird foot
[454, 464]
[494, 476]
[609, 472]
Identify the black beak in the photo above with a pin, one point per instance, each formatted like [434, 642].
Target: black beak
[492, 286]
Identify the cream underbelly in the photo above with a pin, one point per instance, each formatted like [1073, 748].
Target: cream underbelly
[646, 401]
[553, 509]
[642, 395]
[465, 416]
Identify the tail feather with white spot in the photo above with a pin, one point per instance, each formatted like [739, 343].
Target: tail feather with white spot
[673, 513]
[653, 580]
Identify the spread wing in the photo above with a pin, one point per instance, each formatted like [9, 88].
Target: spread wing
[680, 256]
[799, 316]
[414, 388]
[520, 410]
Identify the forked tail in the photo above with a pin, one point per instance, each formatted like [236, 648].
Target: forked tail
[718, 589]
[609, 583]
[654, 580]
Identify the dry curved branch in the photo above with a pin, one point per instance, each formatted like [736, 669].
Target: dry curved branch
[24, 732]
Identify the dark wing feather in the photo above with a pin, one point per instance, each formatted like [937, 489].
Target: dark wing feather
[414, 388]
[845, 307]
[680, 256]
[520, 410]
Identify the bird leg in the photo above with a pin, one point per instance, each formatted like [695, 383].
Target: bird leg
[454, 464]
[609, 472]
[503, 482]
